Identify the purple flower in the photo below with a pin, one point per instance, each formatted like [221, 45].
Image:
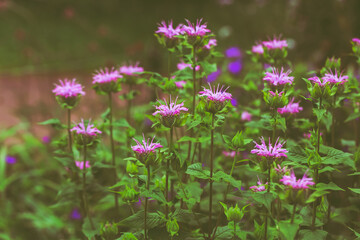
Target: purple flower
[10, 160]
[234, 102]
[80, 164]
[280, 170]
[180, 84]
[146, 147]
[68, 88]
[276, 78]
[89, 130]
[335, 78]
[213, 76]
[170, 109]
[291, 108]
[106, 75]
[75, 214]
[212, 43]
[233, 52]
[131, 70]
[46, 139]
[356, 41]
[181, 65]
[297, 184]
[269, 151]
[317, 80]
[246, 116]
[169, 31]
[275, 43]
[276, 93]
[216, 95]
[195, 30]
[235, 66]
[258, 49]
[230, 154]
[260, 187]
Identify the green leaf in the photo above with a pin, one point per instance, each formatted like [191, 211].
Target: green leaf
[264, 198]
[194, 140]
[311, 235]
[288, 230]
[220, 175]
[328, 186]
[319, 113]
[353, 116]
[87, 229]
[297, 154]
[197, 171]
[356, 233]
[316, 194]
[54, 122]
[136, 221]
[335, 156]
[355, 190]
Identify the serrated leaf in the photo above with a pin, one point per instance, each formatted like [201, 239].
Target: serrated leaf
[355, 190]
[352, 116]
[220, 175]
[288, 230]
[311, 235]
[136, 221]
[264, 198]
[328, 186]
[197, 171]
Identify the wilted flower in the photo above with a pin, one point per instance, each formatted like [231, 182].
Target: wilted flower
[275, 44]
[68, 89]
[297, 184]
[212, 43]
[131, 70]
[260, 187]
[235, 66]
[146, 151]
[180, 84]
[291, 108]
[89, 130]
[233, 52]
[168, 30]
[170, 112]
[181, 65]
[258, 49]
[106, 75]
[80, 164]
[335, 78]
[269, 151]
[216, 98]
[356, 41]
[281, 170]
[246, 116]
[195, 30]
[276, 78]
[10, 160]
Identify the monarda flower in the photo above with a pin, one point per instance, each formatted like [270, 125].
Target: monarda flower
[146, 152]
[275, 44]
[217, 98]
[246, 116]
[85, 133]
[195, 33]
[212, 43]
[233, 52]
[356, 41]
[180, 84]
[257, 49]
[276, 78]
[291, 181]
[269, 151]
[80, 164]
[167, 34]
[335, 78]
[181, 65]
[107, 80]
[68, 92]
[235, 67]
[291, 108]
[281, 170]
[260, 187]
[130, 72]
[170, 114]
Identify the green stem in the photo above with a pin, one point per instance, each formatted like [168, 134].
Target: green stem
[167, 172]
[146, 203]
[211, 170]
[86, 207]
[113, 150]
[194, 79]
[333, 123]
[293, 213]
[234, 230]
[69, 128]
[268, 190]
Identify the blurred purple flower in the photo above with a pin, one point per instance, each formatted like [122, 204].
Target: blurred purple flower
[233, 52]
[75, 214]
[46, 139]
[246, 116]
[148, 122]
[213, 76]
[235, 66]
[10, 159]
[234, 102]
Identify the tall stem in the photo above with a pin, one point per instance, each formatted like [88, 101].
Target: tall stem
[69, 128]
[167, 172]
[234, 230]
[146, 203]
[86, 207]
[293, 213]
[113, 150]
[333, 122]
[194, 79]
[211, 170]
[268, 190]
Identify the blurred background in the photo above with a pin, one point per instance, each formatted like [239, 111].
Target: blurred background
[42, 41]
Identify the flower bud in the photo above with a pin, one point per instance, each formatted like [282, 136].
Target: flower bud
[131, 168]
[128, 236]
[109, 231]
[172, 227]
[129, 195]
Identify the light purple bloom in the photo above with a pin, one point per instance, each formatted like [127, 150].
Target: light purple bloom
[46, 139]
[246, 116]
[275, 44]
[230, 154]
[131, 70]
[213, 76]
[75, 214]
[10, 160]
[68, 88]
[317, 80]
[291, 108]
[269, 151]
[281, 170]
[80, 164]
[169, 31]
[257, 49]
[234, 102]
[212, 43]
[170, 109]
[260, 187]
[180, 84]
[276, 78]
[235, 66]
[297, 184]
[217, 95]
[195, 30]
[233, 52]
[89, 130]
[181, 65]
[356, 41]
[146, 147]
[106, 75]
[335, 78]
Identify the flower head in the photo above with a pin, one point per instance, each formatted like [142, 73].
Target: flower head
[356, 41]
[213, 76]
[106, 76]
[80, 164]
[316, 80]
[275, 43]
[246, 116]
[170, 109]
[335, 78]
[291, 108]
[235, 66]
[297, 184]
[230, 153]
[258, 49]
[75, 214]
[269, 151]
[212, 43]
[131, 70]
[195, 30]
[88, 131]
[217, 95]
[10, 160]
[168, 30]
[276, 93]
[180, 84]
[281, 170]
[46, 139]
[68, 88]
[146, 151]
[181, 65]
[233, 52]
[276, 78]
[260, 187]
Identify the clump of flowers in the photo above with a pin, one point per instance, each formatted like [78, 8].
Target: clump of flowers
[170, 114]
[80, 164]
[291, 108]
[275, 43]
[195, 32]
[167, 34]
[217, 98]
[68, 93]
[269, 151]
[294, 183]
[146, 152]
[277, 78]
[260, 187]
[107, 80]
[85, 133]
